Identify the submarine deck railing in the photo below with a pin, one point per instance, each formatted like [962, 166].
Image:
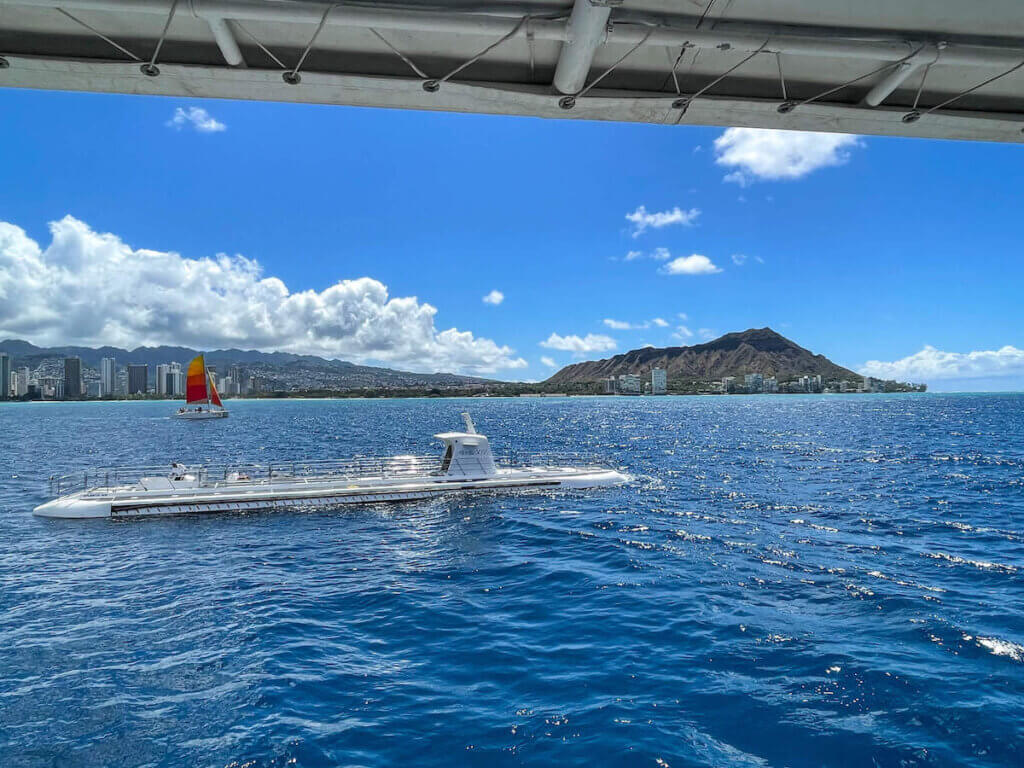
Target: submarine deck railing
[240, 473]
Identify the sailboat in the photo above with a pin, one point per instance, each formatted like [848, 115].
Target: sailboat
[201, 398]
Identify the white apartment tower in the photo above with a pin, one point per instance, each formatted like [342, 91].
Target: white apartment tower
[659, 381]
[108, 376]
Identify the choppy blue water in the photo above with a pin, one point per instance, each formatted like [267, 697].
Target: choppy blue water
[798, 581]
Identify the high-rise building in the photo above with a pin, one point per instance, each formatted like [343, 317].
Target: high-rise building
[108, 377]
[21, 382]
[161, 380]
[754, 382]
[72, 377]
[138, 379]
[237, 380]
[51, 387]
[659, 381]
[630, 384]
[5, 375]
[173, 379]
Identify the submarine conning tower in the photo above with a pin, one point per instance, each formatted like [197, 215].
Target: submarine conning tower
[466, 454]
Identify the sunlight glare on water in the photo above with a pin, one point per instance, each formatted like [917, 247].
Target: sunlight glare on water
[798, 581]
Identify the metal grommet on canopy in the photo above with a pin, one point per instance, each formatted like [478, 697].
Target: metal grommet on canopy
[292, 76]
[568, 102]
[683, 103]
[432, 86]
[914, 115]
[151, 69]
[788, 106]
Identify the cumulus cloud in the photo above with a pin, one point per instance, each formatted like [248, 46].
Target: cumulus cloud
[683, 333]
[695, 264]
[931, 364]
[592, 342]
[494, 297]
[757, 153]
[90, 288]
[623, 325]
[195, 117]
[620, 325]
[658, 254]
[642, 219]
[549, 362]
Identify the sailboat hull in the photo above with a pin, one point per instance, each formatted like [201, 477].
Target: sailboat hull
[200, 415]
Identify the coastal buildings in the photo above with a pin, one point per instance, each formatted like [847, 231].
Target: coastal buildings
[170, 380]
[73, 377]
[21, 377]
[754, 382]
[659, 381]
[138, 379]
[633, 384]
[5, 376]
[108, 377]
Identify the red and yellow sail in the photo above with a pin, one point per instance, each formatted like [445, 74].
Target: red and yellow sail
[196, 383]
[214, 397]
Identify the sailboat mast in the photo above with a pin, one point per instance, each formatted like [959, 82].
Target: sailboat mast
[206, 378]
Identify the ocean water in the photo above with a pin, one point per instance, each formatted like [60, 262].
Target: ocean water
[790, 581]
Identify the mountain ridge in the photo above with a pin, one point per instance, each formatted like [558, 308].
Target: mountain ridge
[341, 372]
[756, 350]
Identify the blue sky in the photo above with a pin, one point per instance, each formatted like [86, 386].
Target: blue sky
[863, 249]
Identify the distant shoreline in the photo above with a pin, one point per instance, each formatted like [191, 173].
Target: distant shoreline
[307, 398]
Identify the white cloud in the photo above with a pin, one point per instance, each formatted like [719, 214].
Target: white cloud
[682, 316]
[658, 254]
[592, 342]
[198, 118]
[695, 264]
[623, 325]
[617, 325]
[930, 364]
[707, 333]
[757, 153]
[91, 288]
[549, 362]
[642, 219]
[494, 297]
[683, 333]
[739, 259]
